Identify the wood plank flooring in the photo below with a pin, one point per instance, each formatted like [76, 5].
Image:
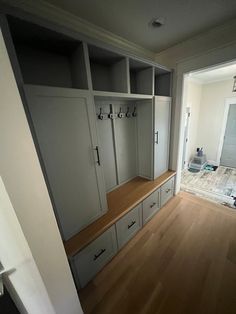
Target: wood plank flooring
[182, 261]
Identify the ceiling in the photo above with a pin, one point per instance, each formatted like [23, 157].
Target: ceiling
[221, 73]
[130, 19]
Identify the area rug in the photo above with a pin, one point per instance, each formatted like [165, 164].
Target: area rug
[218, 186]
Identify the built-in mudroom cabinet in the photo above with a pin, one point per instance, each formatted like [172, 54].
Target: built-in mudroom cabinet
[100, 120]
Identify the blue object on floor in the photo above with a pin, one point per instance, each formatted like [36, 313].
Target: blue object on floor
[210, 167]
[193, 170]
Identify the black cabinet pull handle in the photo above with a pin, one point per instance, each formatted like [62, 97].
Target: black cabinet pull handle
[168, 190]
[132, 223]
[99, 254]
[98, 156]
[153, 204]
[157, 138]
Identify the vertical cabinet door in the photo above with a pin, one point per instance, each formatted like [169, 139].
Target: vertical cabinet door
[64, 124]
[162, 116]
[145, 130]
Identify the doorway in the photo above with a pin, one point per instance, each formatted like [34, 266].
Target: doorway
[228, 155]
[211, 128]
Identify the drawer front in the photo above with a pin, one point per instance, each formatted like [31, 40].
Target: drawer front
[129, 225]
[167, 191]
[92, 258]
[151, 205]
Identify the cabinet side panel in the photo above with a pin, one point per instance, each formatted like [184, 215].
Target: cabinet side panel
[106, 142]
[162, 128]
[126, 143]
[145, 138]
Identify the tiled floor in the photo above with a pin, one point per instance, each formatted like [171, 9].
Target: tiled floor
[218, 186]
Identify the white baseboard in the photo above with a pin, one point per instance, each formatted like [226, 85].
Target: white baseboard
[213, 162]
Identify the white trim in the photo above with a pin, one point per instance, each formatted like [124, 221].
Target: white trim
[228, 101]
[209, 81]
[212, 162]
[186, 133]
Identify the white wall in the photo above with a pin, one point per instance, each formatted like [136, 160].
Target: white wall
[193, 101]
[23, 279]
[207, 103]
[21, 173]
[211, 115]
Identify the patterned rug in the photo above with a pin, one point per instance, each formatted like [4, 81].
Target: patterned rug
[216, 186]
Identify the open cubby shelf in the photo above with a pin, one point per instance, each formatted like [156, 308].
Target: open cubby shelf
[162, 82]
[50, 58]
[108, 70]
[141, 77]
[47, 57]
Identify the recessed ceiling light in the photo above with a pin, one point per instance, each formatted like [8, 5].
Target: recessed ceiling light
[158, 21]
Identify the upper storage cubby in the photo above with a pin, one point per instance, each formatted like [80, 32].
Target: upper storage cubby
[141, 77]
[108, 70]
[47, 57]
[162, 82]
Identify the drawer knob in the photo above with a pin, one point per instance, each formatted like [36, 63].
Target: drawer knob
[132, 223]
[168, 190]
[99, 254]
[153, 204]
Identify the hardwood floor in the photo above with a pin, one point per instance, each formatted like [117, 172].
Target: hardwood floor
[182, 261]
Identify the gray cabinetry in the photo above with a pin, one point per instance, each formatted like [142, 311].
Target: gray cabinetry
[129, 225]
[129, 135]
[94, 256]
[167, 191]
[91, 259]
[64, 123]
[162, 116]
[151, 205]
[145, 139]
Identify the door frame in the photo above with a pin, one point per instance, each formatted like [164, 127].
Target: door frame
[212, 59]
[228, 101]
[186, 136]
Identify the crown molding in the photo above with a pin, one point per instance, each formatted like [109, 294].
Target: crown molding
[63, 18]
[211, 81]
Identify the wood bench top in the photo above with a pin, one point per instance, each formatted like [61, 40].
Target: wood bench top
[120, 201]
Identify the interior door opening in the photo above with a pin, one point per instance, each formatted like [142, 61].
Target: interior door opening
[209, 145]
